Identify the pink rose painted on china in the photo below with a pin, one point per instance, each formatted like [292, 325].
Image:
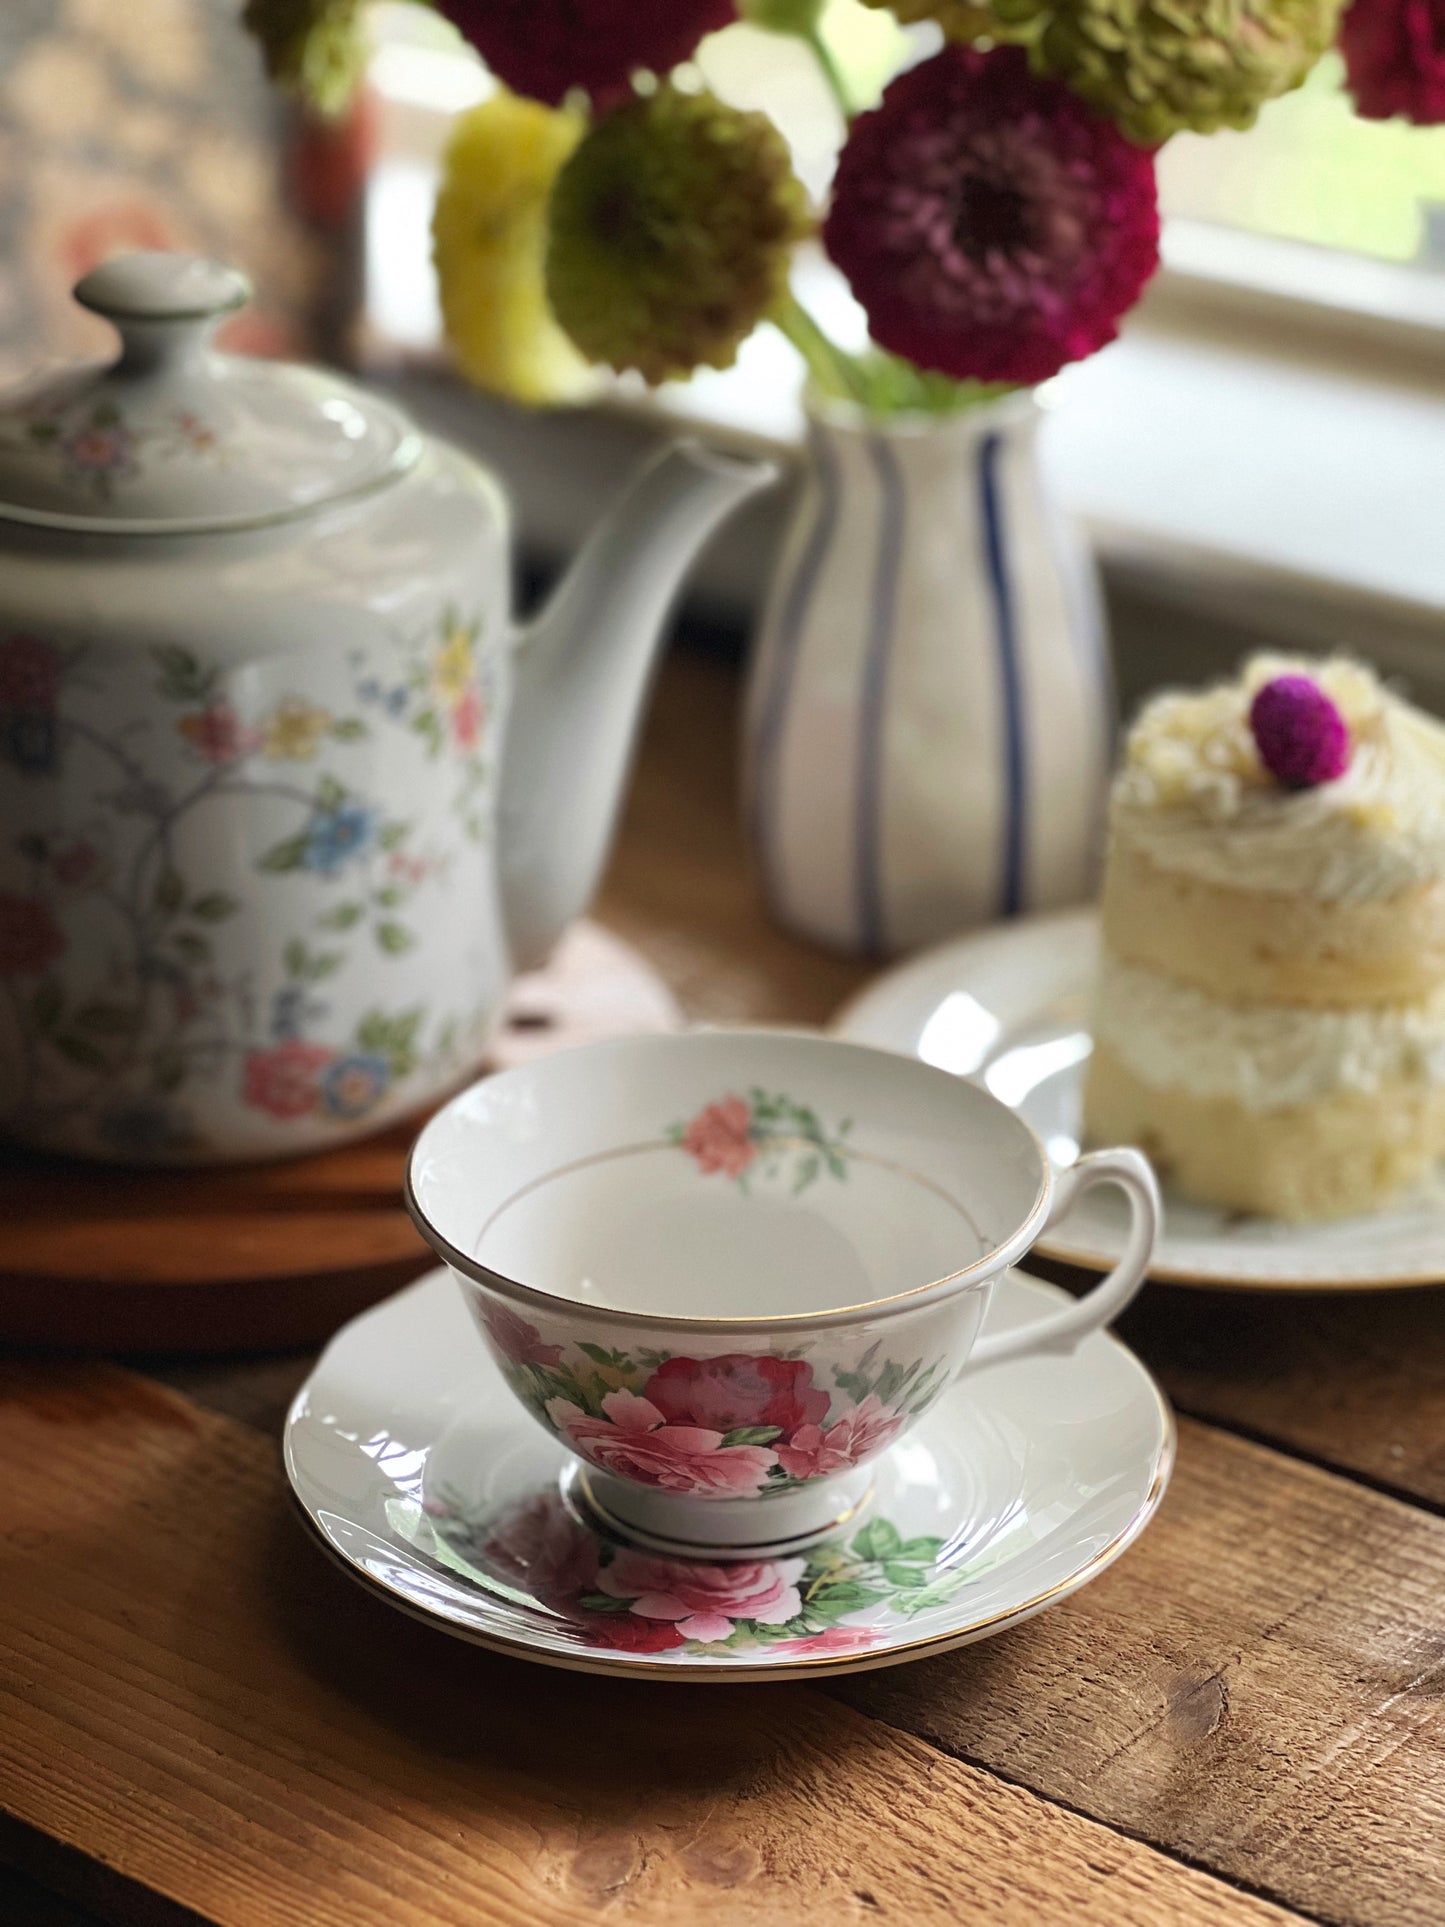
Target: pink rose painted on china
[515, 1339]
[831, 1601]
[737, 1390]
[631, 1440]
[719, 1138]
[30, 674]
[704, 1602]
[812, 1453]
[30, 938]
[285, 1080]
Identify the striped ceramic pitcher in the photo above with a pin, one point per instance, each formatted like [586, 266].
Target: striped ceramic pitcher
[930, 712]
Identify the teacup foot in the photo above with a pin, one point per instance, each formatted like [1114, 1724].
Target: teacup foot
[709, 1529]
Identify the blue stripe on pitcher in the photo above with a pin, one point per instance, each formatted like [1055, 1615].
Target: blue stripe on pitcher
[772, 723]
[1011, 896]
[874, 696]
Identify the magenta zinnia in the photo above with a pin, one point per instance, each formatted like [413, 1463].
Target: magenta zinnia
[1395, 59]
[545, 48]
[992, 226]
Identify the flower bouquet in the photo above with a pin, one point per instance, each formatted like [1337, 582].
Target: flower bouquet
[995, 213]
[930, 715]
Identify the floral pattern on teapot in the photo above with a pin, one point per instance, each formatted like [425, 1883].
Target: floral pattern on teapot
[99, 445]
[112, 1051]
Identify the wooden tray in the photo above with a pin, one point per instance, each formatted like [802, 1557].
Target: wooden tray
[273, 1256]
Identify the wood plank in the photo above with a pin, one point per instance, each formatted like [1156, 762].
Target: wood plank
[194, 1698]
[1259, 1686]
[1355, 1380]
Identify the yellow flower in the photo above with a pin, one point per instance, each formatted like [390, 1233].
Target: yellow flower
[452, 668]
[489, 236]
[293, 731]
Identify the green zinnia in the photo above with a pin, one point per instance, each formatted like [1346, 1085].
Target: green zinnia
[671, 231]
[1158, 66]
[1155, 67]
[315, 47]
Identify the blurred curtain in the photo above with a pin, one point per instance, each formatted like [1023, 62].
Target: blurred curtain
[149, 123]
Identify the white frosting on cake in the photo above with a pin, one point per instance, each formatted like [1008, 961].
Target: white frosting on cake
[1193, 795]
[1265, 1056]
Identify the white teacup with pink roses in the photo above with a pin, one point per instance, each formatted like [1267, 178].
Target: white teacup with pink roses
[728, 1269]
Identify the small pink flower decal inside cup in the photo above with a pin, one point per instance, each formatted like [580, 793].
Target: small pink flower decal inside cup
[633, 1441]
[719, 1137]
[763, 1134]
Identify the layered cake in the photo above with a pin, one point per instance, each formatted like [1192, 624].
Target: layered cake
[1270, 1021]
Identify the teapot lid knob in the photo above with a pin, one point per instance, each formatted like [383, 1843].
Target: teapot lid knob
[165, 306]
[162, 287]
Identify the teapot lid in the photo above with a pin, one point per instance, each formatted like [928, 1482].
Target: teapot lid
[175, 437]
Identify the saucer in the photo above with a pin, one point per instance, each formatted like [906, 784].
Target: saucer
[421, 1475]
[1008, 1007]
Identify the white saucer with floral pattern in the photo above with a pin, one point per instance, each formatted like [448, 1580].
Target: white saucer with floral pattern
[419, 1472]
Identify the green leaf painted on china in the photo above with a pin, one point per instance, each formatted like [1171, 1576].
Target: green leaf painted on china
[937, 1593]
[191, 945]
[845, 1596]
[170, 890]
[350, 729]
[183, 680]
[603, 1602]
[286, 855]
[905, 1576]
[342, 916]
[329, 793]
[80, 1050]
[391, 834]
[753, 1435]
[389, 896]
[878, 1540]
[215, 906]
[394, 938]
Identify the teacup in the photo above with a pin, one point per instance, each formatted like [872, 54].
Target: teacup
[728, 1269]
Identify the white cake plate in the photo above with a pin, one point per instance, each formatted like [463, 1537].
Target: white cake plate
[1009, 1007]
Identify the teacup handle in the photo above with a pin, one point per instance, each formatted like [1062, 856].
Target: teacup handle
[1063, 1330]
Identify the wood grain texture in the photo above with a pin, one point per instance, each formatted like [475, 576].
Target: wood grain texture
[192, 1694]
[1259, 1686]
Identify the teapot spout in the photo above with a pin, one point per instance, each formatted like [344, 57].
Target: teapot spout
[582, 672]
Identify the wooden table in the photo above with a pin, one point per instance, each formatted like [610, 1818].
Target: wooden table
[1242, 1722]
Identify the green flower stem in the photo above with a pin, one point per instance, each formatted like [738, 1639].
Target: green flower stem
[831, 71]
[835, 371]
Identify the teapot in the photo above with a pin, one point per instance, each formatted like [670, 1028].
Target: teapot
[286, 796]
